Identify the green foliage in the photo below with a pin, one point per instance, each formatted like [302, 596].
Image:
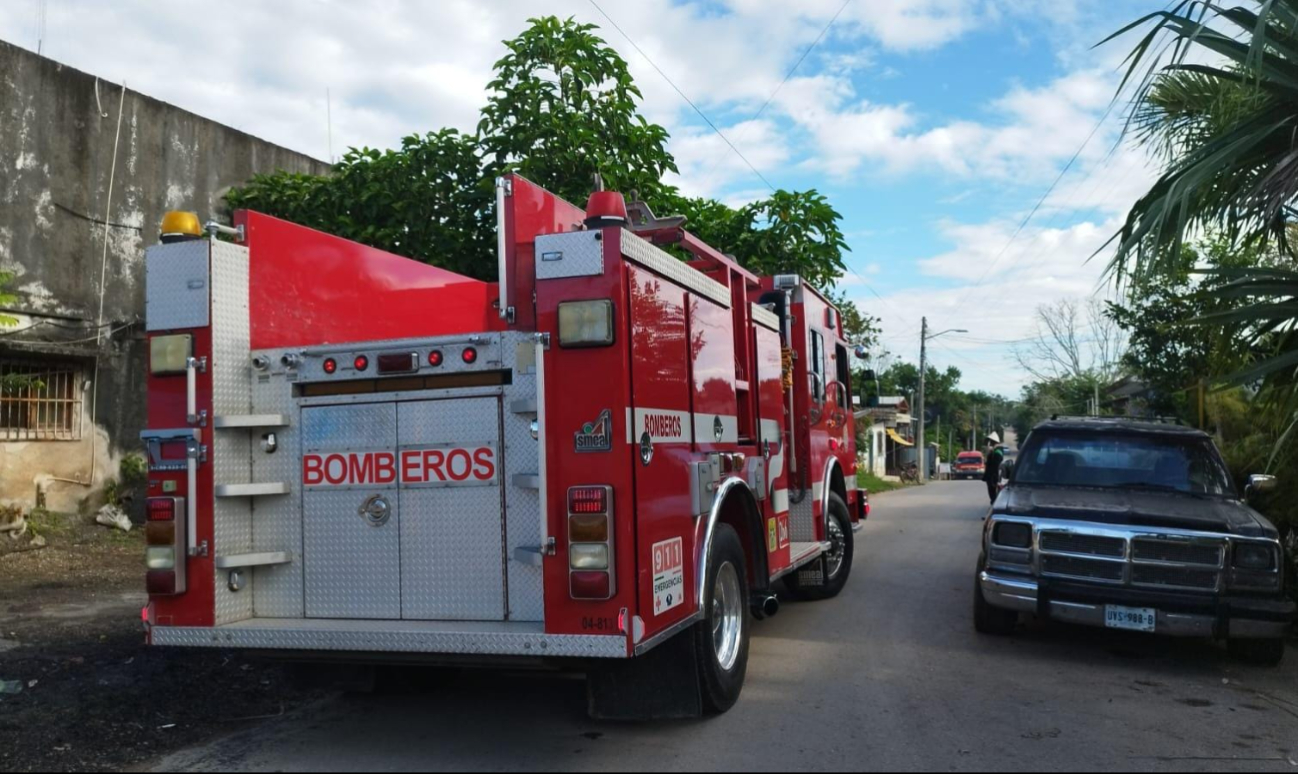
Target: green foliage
[562, 107]
[1227, 130]
[956, 418]
[859, 327]
[428, 201]
[7, 299]
[875, 485]
[134, 469]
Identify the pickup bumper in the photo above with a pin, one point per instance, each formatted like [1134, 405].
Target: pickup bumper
[1179, 615]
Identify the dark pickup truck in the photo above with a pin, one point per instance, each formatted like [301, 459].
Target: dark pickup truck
[1134, 526]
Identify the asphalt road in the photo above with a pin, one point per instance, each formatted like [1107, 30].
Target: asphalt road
[889, 676]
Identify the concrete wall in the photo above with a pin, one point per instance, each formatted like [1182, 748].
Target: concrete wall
[58, 132]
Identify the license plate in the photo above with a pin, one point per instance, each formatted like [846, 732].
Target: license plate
[1136, 619]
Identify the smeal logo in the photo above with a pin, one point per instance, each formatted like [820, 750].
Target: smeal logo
[431, 466]
[596, 436]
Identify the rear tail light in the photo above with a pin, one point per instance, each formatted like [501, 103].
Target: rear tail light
[165, 544]
[470, 355]
[399, 363]
[588, 499]
[361, 362]
[435, 358]
[590, 542]
[591, 585]
[330, 365]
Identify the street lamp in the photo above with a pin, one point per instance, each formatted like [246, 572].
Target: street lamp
[925, 338]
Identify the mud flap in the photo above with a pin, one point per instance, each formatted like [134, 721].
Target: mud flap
[663, 684]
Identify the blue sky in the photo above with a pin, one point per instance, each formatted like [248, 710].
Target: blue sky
[934, 126]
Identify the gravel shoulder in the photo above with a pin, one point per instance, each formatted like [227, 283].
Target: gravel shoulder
[93, 697]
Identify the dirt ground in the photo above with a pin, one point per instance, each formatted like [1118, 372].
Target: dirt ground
[92, 696]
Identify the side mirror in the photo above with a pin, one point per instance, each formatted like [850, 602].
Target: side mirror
[1261, 485]
[862, 354]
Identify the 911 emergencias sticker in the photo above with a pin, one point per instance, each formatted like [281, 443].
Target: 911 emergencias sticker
[669, 575]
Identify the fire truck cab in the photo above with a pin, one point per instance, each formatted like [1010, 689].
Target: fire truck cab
[606, 460]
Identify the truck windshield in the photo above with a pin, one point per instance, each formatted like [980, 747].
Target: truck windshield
[1125, 462]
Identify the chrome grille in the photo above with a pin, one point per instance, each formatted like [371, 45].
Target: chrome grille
[1178, 551]
[1174, 577]
[1089, 545]
[1074, 567]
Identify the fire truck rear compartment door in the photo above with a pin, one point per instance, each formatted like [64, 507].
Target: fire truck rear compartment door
[351, 532]
[452, 536]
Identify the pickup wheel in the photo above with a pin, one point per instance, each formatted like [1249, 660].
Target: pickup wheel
[991, 620]
[721, 638]
[837, 564]
[1258, 652]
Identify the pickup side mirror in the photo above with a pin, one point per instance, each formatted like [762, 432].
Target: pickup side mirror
[1261, 485]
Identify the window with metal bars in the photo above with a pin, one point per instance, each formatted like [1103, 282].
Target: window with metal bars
[40, 401]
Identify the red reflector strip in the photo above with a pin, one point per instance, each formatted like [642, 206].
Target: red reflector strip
[161, 509]
[588, 500]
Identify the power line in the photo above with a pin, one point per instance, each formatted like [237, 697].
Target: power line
[683, 96]
[789, 74]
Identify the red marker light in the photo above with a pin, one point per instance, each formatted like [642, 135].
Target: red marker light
[435, 358]
[470, 355]
[361, 362]
[330, 365]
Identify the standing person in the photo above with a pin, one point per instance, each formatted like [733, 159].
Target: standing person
[992, 472]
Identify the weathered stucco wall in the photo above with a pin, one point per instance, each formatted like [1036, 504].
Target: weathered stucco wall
[58, 129]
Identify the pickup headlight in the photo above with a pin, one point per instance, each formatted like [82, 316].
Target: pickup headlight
[1256, 557]
[1013, 535]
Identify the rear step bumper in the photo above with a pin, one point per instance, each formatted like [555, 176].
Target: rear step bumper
[481, 639]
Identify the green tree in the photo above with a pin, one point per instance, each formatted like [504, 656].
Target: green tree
[859, 327]
[564, 107]
[426, 201]
[7, 300]
[1227, 133]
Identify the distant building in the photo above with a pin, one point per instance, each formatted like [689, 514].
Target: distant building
[83, 186]
[889, 436]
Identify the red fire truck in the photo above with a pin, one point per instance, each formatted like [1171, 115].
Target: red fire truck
[606, 460]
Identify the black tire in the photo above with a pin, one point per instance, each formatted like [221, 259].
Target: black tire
[1267, 653]
[720, 685]
[991, 620]
[845, 542]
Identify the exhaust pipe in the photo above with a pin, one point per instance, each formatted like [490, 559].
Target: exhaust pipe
[764, 605]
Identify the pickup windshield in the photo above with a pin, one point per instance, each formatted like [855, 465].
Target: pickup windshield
[1160, 464]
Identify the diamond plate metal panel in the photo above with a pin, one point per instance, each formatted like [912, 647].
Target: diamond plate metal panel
[802, 520]
[522, 453]
[352, 570]
[394, 637]
[574, 254]
[277, 521]
[231, 394]
[451, 537]
[177, 283]
[361, 426]
[765, 317]
[650, 257]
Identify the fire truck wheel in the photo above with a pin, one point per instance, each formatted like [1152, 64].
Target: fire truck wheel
[721, 638]
[838, 562]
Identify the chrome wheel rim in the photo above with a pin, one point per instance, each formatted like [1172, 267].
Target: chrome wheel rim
[837, 548]
[727, 616]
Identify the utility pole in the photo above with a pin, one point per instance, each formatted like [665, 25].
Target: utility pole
[923, 409]
[923, 372]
